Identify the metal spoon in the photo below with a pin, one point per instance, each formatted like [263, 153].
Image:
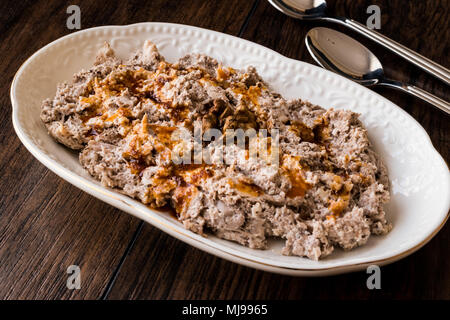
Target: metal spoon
[338, 52]
[316, 10]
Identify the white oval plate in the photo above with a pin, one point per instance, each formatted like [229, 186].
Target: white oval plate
[420, 177]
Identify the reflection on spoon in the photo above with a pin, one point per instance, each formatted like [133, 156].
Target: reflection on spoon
[339, 53]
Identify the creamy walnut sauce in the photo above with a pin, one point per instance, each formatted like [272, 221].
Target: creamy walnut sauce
[146, 137]
[228, 154]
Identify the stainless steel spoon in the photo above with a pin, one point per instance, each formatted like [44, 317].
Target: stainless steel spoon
[316, 10]
[338, 52]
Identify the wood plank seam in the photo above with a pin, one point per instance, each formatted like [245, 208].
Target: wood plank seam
[114, 275]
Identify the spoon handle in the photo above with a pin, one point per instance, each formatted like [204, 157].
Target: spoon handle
[419, 93]
[422, 62]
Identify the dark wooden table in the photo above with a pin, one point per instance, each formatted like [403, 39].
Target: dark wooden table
[46, 224]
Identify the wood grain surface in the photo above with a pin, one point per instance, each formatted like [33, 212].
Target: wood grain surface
[46, 224]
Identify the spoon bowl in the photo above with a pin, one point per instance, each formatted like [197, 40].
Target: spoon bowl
[339, 53]
[344, 55]
[301, 9]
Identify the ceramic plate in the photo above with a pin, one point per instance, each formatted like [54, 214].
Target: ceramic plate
[420, 177]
